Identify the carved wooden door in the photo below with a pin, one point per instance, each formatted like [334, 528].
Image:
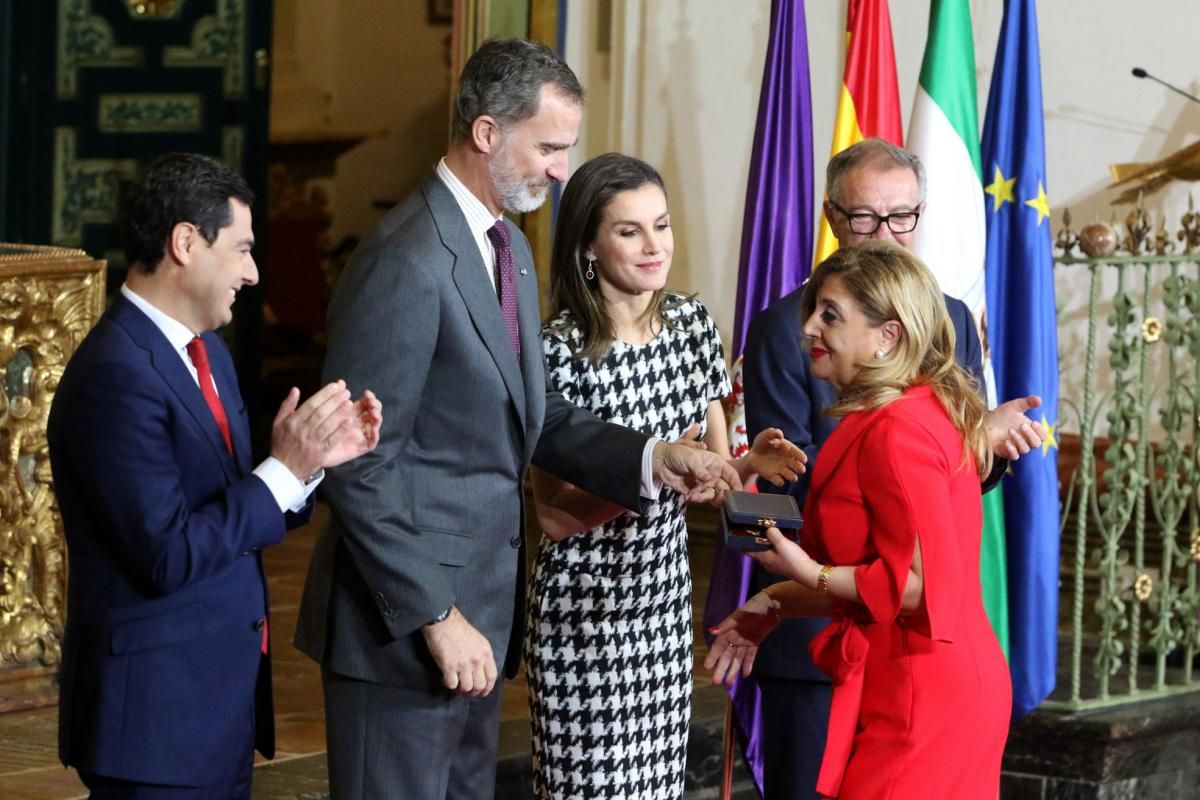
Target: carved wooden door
[99, 88]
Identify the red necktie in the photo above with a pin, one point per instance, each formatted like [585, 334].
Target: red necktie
[199, 355]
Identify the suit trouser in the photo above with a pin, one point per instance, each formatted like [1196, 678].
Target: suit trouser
[795, 716]
[234, 784]
[387, 742]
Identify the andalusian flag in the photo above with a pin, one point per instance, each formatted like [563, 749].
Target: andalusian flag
[869, 104]
[944, 132]
[1024, 337]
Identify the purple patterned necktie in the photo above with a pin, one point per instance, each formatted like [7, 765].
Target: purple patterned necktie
[506, 281]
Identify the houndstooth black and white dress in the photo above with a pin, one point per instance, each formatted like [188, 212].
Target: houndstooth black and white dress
[608, 648]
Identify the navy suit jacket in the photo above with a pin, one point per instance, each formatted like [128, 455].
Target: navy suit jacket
[782, 392]
[162, 671]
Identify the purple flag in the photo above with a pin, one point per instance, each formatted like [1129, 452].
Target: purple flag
[777, 251]
[777, 231]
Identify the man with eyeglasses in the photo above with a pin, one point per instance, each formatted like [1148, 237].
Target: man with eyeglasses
[876, 190]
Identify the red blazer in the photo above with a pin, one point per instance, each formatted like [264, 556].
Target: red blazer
[921, 700]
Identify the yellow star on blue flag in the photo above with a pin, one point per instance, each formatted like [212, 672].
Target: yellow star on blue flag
[1051, 440]
[1001, 189]
[1040, 203]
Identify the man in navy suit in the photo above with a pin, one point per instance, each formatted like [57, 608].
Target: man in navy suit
[876, 191]
[165, 683]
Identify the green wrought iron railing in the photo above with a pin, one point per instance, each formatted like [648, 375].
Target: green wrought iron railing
[1129, 600]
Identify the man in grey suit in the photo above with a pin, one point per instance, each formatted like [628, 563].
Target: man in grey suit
[418, 583]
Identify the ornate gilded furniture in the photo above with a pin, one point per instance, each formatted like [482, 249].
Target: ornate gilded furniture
[49, 299]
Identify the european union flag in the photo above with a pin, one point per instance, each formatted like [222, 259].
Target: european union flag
[1024, 343]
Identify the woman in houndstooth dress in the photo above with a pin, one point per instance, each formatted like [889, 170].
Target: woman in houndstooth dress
[608, 647]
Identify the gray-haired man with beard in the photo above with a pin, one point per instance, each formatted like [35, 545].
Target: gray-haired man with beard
[417, 585]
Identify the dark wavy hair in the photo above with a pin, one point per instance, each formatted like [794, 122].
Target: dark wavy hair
[588, 193]
[504, 79]
[178, 187]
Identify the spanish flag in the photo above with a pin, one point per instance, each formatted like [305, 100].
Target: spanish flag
[869, 104]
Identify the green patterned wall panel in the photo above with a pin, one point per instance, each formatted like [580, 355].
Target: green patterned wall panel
[218, 40]
[85, 190]
[150, 113]
[86, 40]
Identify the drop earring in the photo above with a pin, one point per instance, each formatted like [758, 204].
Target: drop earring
[591, 272]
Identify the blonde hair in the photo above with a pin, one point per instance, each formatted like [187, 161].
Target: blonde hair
[890, 283]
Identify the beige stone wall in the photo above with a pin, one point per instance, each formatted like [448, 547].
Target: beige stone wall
[363, 65]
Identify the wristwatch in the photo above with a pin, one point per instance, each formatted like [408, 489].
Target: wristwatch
[441, 617]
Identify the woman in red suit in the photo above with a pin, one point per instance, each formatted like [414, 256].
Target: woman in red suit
[890, 551]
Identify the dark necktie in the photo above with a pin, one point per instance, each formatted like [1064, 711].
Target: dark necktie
[199, 355]
[506, 282]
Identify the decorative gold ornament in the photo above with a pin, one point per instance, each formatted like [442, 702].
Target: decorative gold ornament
[1137, 223]
[1104, 239]
[1099, 240]
[1190, 233]
[154, 9]
[1066, 239]
[1162, 239]
[1152, 329]
[1143, 587]
[49, 300]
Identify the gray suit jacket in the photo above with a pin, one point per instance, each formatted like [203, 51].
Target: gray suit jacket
[435, 515]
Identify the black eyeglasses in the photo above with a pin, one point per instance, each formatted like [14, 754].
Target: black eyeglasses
[865, 223]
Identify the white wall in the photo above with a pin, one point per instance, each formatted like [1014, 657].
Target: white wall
[384, 70]
[680, 89]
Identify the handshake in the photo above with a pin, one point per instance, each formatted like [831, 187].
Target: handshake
[688, 467]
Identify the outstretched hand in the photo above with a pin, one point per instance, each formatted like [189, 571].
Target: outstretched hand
[775, 458]
[1011, 434]
[736, 639]
[700, 475]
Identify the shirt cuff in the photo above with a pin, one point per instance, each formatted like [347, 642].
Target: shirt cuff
[650, 484]
[290, 493]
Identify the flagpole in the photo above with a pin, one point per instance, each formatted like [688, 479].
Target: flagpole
[727, 746]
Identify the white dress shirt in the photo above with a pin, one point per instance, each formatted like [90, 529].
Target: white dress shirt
[290, 492]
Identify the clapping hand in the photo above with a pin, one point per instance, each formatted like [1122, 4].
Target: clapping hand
[358, 433]
[326, 430]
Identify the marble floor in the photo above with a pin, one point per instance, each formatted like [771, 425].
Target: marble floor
[29, 767]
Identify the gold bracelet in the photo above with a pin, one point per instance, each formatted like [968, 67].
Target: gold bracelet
[823, 578]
